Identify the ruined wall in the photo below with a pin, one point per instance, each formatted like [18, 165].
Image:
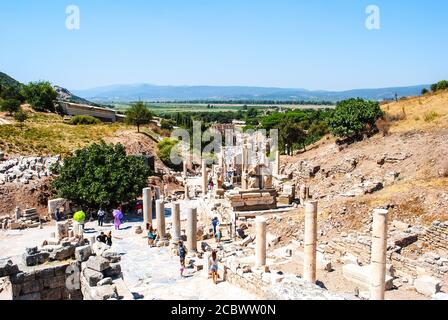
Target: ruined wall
[43, 283]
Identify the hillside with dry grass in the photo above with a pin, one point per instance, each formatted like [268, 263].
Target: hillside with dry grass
[404, 168]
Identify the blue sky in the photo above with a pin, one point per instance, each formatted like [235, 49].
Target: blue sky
[319, 44]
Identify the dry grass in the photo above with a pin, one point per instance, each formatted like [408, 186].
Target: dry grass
[407, 114]
[47, 134]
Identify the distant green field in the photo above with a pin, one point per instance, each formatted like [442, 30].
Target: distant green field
[159, 108]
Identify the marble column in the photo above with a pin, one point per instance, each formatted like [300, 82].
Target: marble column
[309, 264]
[260, 253]
[175, 216]
[147, 206]
[277, 163]
[192, 221]
[186, 191]
[160, 216]
[204, 178]
[378, 257]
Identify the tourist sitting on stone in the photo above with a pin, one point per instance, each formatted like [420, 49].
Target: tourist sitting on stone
[102, 238]
[213, 263]
[182, 255]
[109, 239]
[151, 235]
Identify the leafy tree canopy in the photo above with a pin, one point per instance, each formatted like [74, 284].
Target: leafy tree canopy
[101, 175]
[41, 96]
[353, 117]
[138, 115]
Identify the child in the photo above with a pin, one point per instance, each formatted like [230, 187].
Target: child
[151, 235]
[218, 234]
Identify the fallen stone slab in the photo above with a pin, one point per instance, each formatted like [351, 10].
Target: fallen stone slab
[427, 285]
[92, 277]
[82, 254]
[8, 268]
[361, 276]
[63, 253]
[104, 293]
[112, 256]
[97, 263]
[31, 260]
[113, 271]
[321, 262]
[440, 296]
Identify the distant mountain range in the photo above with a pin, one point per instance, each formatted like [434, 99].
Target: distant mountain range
[148, 92]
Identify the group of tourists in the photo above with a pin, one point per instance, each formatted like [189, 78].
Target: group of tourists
[106, 239]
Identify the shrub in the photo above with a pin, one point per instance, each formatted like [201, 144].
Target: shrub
[164, 152]
[11, 106]
[20, 116]
[167, 124]
[424, 91]
[431, 116]
[84, 120]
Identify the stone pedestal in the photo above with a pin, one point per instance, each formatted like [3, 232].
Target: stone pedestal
[160, 216]
[147, 206]
[192, 221]
[175, 216]
[379, 250]
[309, 264]
[260, 252]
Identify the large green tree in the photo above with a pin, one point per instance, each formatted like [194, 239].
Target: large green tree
[41, 96]
[101, 175]
[291, 134]
[138, 115]
[353, 117]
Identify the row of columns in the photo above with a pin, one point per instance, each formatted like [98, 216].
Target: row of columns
[378, 255]
[175, 216]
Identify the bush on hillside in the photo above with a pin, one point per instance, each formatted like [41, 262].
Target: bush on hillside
[101, 175]
[441, 85]
[11, 106]
[84, 120]
[354, 117]
[167, 124]
[41, 96]
[164, 149]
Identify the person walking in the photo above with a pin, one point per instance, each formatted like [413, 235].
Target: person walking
[215, 223]
[182, 255]
[118, 215]
[109, 239]
[213, 263]
[101, 214]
